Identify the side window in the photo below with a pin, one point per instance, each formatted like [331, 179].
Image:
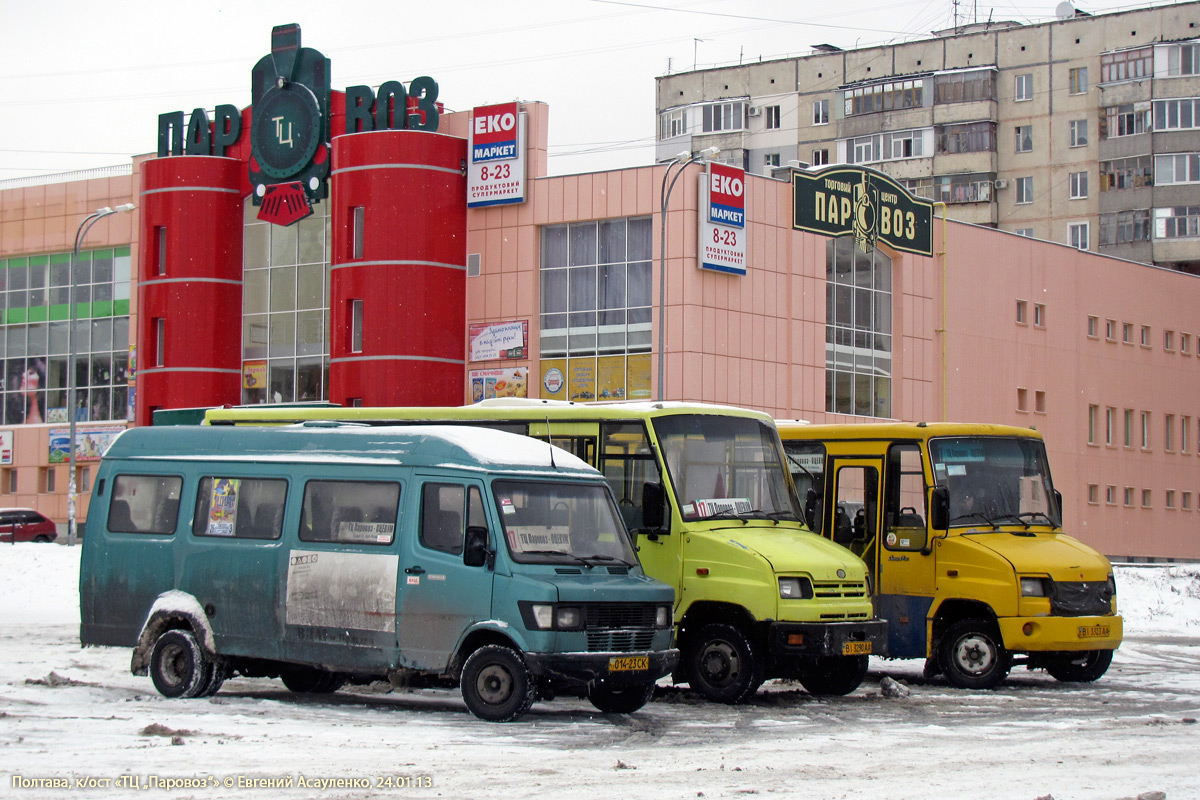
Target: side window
[904, 512]
[442, 507]
[628, 465]
[350, 512]
[806, 462]
[245, 508]
[144, 504]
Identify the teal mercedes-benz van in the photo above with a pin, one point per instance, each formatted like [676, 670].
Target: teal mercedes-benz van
[324, 553]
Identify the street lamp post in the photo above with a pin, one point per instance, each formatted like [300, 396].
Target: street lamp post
[682, 161]
[80, 233]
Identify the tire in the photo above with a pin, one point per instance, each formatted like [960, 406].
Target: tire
[1082, 667]
[973, 655]
[721, 664]
[496, 684]
[178, 665]
[42, 539]
[836, 675]
[220, 673]
[620, 699]
[311, 680]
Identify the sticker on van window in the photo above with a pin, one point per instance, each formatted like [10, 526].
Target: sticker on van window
[365, 532]
[222, 509]
[506, 506]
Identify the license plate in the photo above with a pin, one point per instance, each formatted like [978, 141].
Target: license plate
[856, 649]
[1093, 631]
[629, 664]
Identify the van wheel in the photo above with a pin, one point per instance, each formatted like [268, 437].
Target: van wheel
[178, 666]
[310, 680]
[973, 656]
[721, 664]
[220, 673]
[620, 699]
[496, 684]
[1082, 667]
[42, 539]
[835, 675]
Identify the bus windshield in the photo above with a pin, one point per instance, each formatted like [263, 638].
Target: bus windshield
[725, 467]
[559, 522]
[995, 479]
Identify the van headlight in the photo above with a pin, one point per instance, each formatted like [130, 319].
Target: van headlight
[795, 589]
[548, 616]
[662, 617]
[1034, 587]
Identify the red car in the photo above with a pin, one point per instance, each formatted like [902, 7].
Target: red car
[26, 525]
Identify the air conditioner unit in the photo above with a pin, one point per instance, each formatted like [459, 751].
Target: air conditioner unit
[1000, 183]
[755, 111]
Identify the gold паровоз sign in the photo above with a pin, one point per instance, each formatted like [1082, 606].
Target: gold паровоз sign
[840, 201]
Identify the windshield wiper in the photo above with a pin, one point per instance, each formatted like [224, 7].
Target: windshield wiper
[976, 515]
[746, 516]
[581, 560]
[782, 515]
[1034, 515]
[598, 557]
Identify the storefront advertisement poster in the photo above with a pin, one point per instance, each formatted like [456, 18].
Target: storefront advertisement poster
[497, 340]
[490, 383]
[90, 443]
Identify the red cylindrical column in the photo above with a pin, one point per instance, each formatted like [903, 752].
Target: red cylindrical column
[189, 284]
[398, 258]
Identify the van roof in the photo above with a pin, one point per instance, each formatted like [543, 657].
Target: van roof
[456, 446]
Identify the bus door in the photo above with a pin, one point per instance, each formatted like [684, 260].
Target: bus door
[442, 596]
[904, 581]
[852, 505]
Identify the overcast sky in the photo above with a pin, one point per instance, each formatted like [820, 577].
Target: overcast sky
[82, 83]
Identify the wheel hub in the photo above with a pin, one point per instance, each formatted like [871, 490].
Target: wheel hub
[495, 684]
[719, 663]
[974, 654]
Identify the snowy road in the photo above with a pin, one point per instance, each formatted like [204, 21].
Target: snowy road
[71, 714]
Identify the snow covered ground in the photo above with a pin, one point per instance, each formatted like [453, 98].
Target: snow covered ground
[77, 716]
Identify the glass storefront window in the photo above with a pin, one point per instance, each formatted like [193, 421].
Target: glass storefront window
[858, 333]
[284, 314]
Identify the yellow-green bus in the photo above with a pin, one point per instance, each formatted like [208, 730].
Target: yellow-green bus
[706, 492]
[962, 530]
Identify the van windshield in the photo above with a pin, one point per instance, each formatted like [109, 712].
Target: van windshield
[994, 480]
[558, 522]
[726, 467]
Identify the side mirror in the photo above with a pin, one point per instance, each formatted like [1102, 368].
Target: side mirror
[939, 508]
[476, 552]
[654, 500]
[812, 510]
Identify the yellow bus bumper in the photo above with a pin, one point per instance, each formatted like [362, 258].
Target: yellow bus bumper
[1042, 634]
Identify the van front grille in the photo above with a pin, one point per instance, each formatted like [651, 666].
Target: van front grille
[839, 589]
[619, 641]
[618, 615]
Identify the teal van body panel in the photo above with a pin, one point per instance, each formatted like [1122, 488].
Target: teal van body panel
[321, 553]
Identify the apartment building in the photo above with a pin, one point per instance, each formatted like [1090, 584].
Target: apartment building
[1083, 131]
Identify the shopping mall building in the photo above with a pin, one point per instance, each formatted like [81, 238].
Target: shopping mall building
[366, 247]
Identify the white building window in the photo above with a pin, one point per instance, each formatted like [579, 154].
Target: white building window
[1177, 114]
[1079, 185]
[1024, 140]
[1077, 80]
[772, 117]
[1024, 88]
[1024, 190]
[1177, 168]
[821, 112]
[1078, 235]
[674, 123]
[728, 116]
[1079, 132]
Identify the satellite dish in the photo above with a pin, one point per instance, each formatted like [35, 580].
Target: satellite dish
[1064, 10]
